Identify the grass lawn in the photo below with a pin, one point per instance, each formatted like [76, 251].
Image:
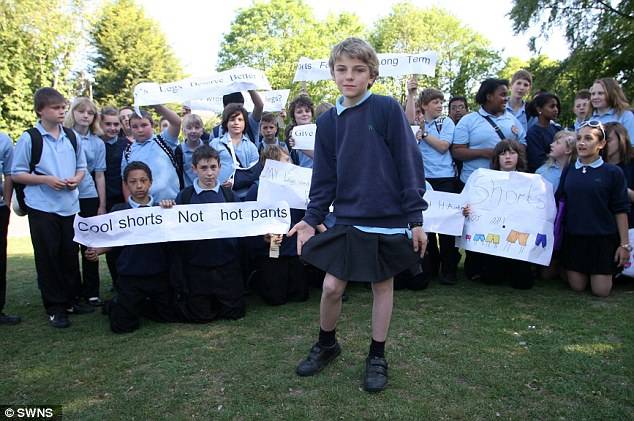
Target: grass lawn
[464, 352]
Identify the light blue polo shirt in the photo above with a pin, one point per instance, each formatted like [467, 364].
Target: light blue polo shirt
[6, 156]
[165, 183]
[95, 153]
[626, 119]
[520, 115]
[254, 126]
[436, 164]
[59, 159]
[188, 174]
[199, 189]
[476, 132]
[550, 173]
[246, 153]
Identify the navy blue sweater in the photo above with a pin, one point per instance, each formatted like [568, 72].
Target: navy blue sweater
[593, 198]
[114, 152]
[538, 140]
[368, 163]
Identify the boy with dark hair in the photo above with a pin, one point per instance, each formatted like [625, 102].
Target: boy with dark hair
[52, 197]
[253, 119]
[143, 286]
[269, 132]
[207, 275]
[458, 108]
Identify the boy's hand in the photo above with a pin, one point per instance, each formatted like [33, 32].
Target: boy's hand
[419, 238]
[322, 228]
[228, 184]
[466, 210]
[55, 183]
[72, 182]
[291, 141]
[167, 203]
[101, 210]
[412, 85]
[304, 233]
[276, 239]
[91, 254]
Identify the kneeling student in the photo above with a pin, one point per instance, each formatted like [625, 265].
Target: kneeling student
[207, 273]
[143, 287]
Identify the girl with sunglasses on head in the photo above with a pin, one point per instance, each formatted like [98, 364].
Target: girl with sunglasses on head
[595, 225]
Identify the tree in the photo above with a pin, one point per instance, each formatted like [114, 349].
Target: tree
[38, 40]
[600, 34]
[272, 36]
[130, 48]
[464, 56]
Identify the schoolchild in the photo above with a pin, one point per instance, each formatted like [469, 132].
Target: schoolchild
[208, 276]
[83, 118]
[282, 278]
[562, 152]
[192, 130]
[156, 151]
[301, 110]
[237, 153]
[545, 107]
[610, 104]
[269, 132]
[595, 224]
[52, 197]
[509, 155]
[621, 153]
[252, 121]
[124, 118]
[581, 109]
[369, 242]
[6, 155]
[521, 83]
[143, 287]
[458, 108]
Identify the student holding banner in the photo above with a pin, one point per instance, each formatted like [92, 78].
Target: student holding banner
[301, 110]
[364, 135]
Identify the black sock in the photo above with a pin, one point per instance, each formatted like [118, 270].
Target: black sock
[327, 338]
[377, 349]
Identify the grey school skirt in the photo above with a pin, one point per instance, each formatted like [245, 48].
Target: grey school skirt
[353, 255]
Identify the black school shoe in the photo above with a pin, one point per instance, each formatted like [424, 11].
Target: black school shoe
[318, 358]
[59, 320]
[375, 378]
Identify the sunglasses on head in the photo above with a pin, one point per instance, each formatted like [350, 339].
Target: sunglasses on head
[595, 124]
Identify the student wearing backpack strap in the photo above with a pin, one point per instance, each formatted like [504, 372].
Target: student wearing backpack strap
[157, 151]
[53, 200]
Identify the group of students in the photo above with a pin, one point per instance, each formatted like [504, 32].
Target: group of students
[112, 160]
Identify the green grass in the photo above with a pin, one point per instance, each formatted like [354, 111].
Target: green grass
[464, 352]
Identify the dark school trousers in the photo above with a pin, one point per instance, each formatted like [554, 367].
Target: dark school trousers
[56, 260]
[281, 280]
[111, 257]
[441, 248]
[137, 296]
[89, 270]
[4, 230]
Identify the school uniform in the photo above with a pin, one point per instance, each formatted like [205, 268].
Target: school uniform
[264, 146]
[594, 194]
[51, 216]
[6, 155]
[628, 171]
[242, 156]
[626, 119]
[476, 132]
[252, 133]
[550, 173]
[520, 114]
[210, 279]
[188, 152]
[538, 140]
[441, 174]
[369, 242]
[95, 154]
[143, 287]
[165, 184]
[280, 279]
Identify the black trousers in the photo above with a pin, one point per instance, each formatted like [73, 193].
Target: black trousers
[441, 249]
[56, 260]
[213, 293]
[4, 230]
[89, 270]
[111, 257]
[281, 280]
[137, 296]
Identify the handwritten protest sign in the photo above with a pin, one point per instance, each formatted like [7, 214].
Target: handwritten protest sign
[217, 84]
[444, 213]
[390, 64]
[184, 222]
[415, 129]
[304, 136]
[280, 181]
[274, 101]
[512, 215]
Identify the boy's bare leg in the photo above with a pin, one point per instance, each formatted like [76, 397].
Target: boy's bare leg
[330, 306]
[382, 308]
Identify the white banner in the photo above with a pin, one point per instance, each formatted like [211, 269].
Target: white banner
[304, 136]
[280, 181]
[184, 222]
[512, 215]
[415, 129]
[217, 84]
[274, 101]
[444, 213]
[390, 64]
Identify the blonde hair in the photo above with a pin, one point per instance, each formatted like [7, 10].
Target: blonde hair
[192, 119]
[358, 49]
[571, 142]
[614, 95]
[82, 103]
[273, 152]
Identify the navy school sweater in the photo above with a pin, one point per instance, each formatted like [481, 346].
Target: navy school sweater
[114, 152]
[367, 162]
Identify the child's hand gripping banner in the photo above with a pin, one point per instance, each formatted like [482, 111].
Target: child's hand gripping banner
[217, 84]
[184, 222]
[280, 181]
